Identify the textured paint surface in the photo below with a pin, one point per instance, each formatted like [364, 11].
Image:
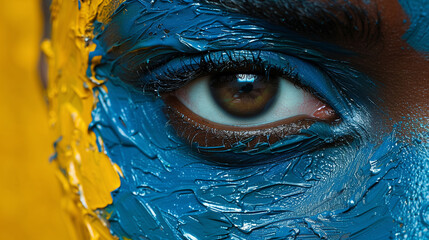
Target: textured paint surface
[30, 202]
[353, 179]
[418, 33]
[305, 190]
[86, 173]
[164, 186]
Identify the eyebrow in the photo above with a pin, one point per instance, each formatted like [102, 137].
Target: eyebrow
[329, 20]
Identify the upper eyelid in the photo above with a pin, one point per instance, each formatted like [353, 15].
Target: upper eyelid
[186, 67]
[270, 62]
[136, 41]
[318, 80]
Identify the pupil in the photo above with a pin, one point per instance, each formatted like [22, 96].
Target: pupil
[246, 88]
[244, 95]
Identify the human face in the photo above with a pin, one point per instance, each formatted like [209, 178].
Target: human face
[168, 155]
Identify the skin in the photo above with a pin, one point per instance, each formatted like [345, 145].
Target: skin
[362, 177]
[404, 92]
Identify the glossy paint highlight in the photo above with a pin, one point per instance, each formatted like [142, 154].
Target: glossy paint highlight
[326, 182]
[86, 173]
[167, 193]
[342, 181]
[417, 34]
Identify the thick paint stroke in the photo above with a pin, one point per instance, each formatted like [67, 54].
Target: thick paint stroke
[354, 187]
[346, 191]
[417, 34]
[132, 41]
[85, 172]
[351, 189]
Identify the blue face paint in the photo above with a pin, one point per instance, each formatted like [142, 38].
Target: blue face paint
[168, 193]
[133, 46]
[329, 181]
[417, 34]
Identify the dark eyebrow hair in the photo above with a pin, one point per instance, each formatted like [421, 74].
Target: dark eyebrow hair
[330, 20]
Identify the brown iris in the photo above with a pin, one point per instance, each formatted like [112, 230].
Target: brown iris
[244, 95]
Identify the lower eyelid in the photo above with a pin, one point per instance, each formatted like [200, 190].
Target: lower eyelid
[200, 131]
[291, 101]
[196, 130]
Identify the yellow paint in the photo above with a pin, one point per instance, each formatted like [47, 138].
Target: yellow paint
[30, 198]
[32, 203]
[87, 175]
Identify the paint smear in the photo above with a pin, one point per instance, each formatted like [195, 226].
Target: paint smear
[86, 173]
[417, 34]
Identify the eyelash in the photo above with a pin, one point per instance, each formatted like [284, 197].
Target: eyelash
[165, 75]
[177, 73]
[174, 74]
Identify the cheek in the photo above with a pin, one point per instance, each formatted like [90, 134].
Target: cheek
[167, 191]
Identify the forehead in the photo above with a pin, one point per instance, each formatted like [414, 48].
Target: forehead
[405, 16]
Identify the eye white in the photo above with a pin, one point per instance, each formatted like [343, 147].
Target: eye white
[290, 101]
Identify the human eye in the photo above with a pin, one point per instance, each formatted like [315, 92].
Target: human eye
[305, 94]
[218, 99]
[244, 101]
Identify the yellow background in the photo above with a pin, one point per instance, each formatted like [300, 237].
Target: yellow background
[30, 204]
